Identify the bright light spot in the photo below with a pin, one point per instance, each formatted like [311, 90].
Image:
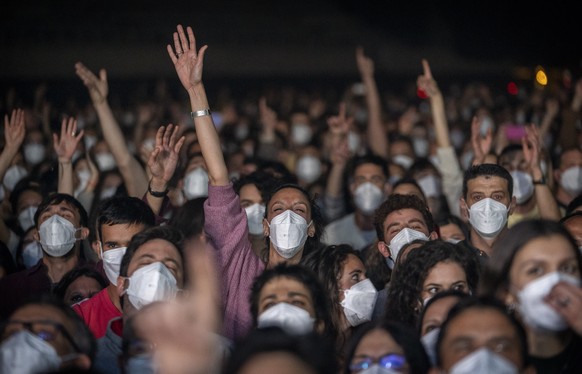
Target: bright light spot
[512, 88]
[541, 77]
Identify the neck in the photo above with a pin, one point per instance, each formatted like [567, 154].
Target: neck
[486, 245]
[526, 207]
[363, 221]
[275, 258]
[547, 344]
[114, 296]
[59, 266]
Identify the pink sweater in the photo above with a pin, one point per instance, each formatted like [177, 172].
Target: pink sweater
[226, 226]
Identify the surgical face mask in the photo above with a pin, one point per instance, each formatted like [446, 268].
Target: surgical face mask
[368, 197]
[34, 153]
[90, 141]
[105, 161]
[523, 187]
[534, 311]
[84, 177]
[301, 133]
[430, 186]
[140, 364]
[308, 168]
[108, 192]
[486, 124]
[403, 161]
[196, 184]
[453, 240]
[359, 302]
[255, 214]
[112, 262]
[153, 282]
[420, 146]
[13, 175]
[354, 142]
[484, 361]
[571, 180]
[288, 233]
[31, 254]
[57, 236]
[488, 217]
[404, 237]
[429, 341]
[26, 218]
[292, 319]
[26, 353]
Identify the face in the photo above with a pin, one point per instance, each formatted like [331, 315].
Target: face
[482, 187]
[158, 250]
[541, 256]
[570, 158]
[451, 231]
[401, 148]
[279, 362]
[574, 227]
[444, 276]
[115, 236]
[82, 288]
[402, 218]
[50, 331]
[63, 209]
[27, 199]
[479, 328]
[369, 173]
[436, 313]
[249, 194]
[288, 290]
[290, 199]
[196, 162]
[376, 344]
[513, 161]
[353, 272]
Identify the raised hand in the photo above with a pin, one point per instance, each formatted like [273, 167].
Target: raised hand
[67, 142]
[481, 144]
[97, 86]
[187, 61]
[426, 82]
[365, 64]
[340, 125]
[530, 145]
[14, 129]
[164, 158]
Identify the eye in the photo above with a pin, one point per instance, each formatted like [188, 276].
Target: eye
[433, 290]
[299, 303]
[76, 298]
[477, 198]
[568, 269]
[429, 328]
[534, 270]
[268, 305]
[459, 287]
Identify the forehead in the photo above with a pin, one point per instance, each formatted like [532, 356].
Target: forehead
[351, 263]
[289, 194]
[283, 284]
[484, 183]
[403, 216]
[120, 232]
[571, 156]
[550, 249]
[60, 207]
[511, 156]
[377, 342]
[368, 168]
[438, 309]
[481, 323]
[408, 189]
[249, 191]
[35, 312]
[158, 249]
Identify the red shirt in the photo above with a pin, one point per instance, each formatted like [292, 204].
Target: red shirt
[97, 312]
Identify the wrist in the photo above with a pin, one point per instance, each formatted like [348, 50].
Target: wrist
[156, 188]
[64, 160]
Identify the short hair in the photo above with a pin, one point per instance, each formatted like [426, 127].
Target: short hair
[72, 275]
[454, 220]
[57, 198]
[576, 203]
[367, 158]
[403, 335]
[128, 210]
[409, 180]
[482, 302]
[264, 181]
[487, 170]
[396, 202]
[510, 148]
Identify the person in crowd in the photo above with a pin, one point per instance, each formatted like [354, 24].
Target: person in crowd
[573, 223]
[479, 336]
[61, 225]
[408, 186]
[535, 271]
[44, 335]
[80, 284]
[429, 179]
[290, 210]
[433, 267]
[575, 205]
[568, 176]
[453, 229]
[385, 346]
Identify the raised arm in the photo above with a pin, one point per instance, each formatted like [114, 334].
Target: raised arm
[376, 135]
[65, 146]
[481, 144]
[188, 63]
[133, 173]
[427, 83]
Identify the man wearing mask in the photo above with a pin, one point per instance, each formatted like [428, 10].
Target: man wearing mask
[486, 204]
[368, 187]
[61, 225]
[568, 175]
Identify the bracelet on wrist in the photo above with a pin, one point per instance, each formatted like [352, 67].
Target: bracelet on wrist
[200, 113]
[156, 193]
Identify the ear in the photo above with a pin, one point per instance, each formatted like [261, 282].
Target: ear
[266, 228]
[319, 327]
[557, 175]
[387, 188]
[512, 205]
[84, 233]
[35, 235]
[311, 230]
[464, 209]
[121, 283]
[95, 248]
[507, 297]
[383, 249]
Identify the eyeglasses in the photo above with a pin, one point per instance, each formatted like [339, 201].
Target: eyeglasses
[390, 361]
[45, 329]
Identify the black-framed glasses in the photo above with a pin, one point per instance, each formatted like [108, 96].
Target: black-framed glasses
[390, 361]
[47, 330]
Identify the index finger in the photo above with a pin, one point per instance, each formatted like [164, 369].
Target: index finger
[426, 68]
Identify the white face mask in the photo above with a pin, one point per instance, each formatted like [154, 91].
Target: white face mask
[430, 186]
[534, 311]
[84, 177]
[196, 184]
[26, 218]
[90, 141]
[488, 217]
[26, 353]
[354, 142]
[291, 318]
[255, 214]
[404, 237]
[484, 361]
[403, 161]
[301, 133]
[34, 153]
[308, 168]
[368, 197]
[523, 187]
[31, 253]
[150, 283]
[108, 192]
[288, 233]
[359, 302]
[57, 236]
[112, 261]
[571, 180]
[420, 146]
[13, 175]
[105, 161]
[429, 341]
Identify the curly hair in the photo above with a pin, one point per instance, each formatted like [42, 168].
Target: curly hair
[404, 301]
[398, 202]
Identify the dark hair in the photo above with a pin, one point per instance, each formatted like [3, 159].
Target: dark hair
[482, 303]
[440, 295]
[510, 148]
[263, 180]
[454, 220]
[409, 180]
[404, 303]
[414, 352]
[487, 170]
[495, 278]
[398, 202]
[312, 349]
[189, 217]
[126, 210]
[72, 275]
[58, 198]
[421, 164]
[23, 185]
[574, 204]
[6, 260]
[367, 158]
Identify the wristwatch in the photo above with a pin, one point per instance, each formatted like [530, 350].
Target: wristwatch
[542, 180]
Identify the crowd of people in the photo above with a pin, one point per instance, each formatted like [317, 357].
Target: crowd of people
[362, 232]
